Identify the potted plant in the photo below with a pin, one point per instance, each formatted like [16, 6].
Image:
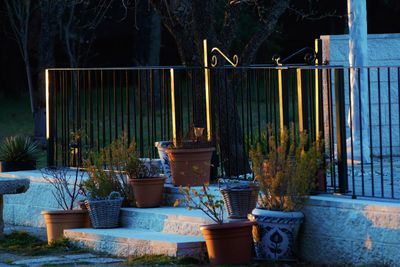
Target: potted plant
[146, 182]
[286, 174]
[227, 242]
[190, 160]
[18, 153]
[107, 185]
[66, 183]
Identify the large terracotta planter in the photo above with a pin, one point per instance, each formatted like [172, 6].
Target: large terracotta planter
[190, 166]
[229, 243]
[58, 220]
[276, 233]
[148, 192]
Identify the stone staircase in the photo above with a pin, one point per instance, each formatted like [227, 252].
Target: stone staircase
[165, 230]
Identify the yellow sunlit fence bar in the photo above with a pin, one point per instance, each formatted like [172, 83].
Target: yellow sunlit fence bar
[207, 91]
[47, 105]
[173, 114]
[280, 92]
[300, 100]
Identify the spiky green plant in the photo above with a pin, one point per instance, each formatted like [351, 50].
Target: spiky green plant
[287, 172]
[19, 149]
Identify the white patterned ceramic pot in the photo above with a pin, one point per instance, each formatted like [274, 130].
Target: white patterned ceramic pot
[162, 147]
[276, 233]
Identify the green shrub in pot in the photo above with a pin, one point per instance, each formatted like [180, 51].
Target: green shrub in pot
[285, 171]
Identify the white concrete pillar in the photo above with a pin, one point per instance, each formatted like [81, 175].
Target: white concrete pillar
[358, 58]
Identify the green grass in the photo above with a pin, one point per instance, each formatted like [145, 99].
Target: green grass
[156, 260]
[24, 244]
[16, 117]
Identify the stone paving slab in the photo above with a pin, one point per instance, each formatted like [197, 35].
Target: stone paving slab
[78, 259]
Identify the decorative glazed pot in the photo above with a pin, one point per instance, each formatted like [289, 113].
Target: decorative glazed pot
[58, 220]
[190, 166]
[148, 192]
[229, 243]
[162, 147]
[276, 233]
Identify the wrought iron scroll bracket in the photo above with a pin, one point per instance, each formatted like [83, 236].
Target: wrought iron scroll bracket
[214, 60]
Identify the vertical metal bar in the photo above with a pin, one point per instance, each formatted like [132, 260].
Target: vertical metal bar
[370, 133]
[380, 130]
[173, 107]
[361, 132]
[351, 107]
[390, 135]
[49, 122]
[115, 106]
[300, 100]
[316, 80]
[341, 130]
[331, 130]
[280, 95]
[103, 109]
[207, 91]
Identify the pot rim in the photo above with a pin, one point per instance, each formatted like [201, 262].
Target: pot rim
[230, 224]
[57, 212]
[186, 150]
[277, 213]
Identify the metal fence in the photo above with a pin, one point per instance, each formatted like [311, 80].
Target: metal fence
[102, 104]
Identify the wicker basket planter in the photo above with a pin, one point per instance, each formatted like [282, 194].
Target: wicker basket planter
[105, 213]
[240, 201]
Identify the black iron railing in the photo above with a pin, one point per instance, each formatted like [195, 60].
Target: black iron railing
[102, 104]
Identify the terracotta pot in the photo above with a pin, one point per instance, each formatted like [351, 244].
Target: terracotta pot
[148, 192]
[58, 220]
[229, 243]
[190, 166]
[276, 233]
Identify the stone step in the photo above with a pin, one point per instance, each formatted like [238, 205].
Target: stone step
[126, 242]
[172, 220]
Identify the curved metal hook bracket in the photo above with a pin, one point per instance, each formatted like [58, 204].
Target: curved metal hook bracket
[309, 56]
[214, 61]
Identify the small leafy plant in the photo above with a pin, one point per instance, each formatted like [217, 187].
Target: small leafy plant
[106, 170]
[202, 200]
[137, 168]
[286, 170]
[19, 149]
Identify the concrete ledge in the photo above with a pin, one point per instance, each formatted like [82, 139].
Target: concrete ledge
[340, 230]
[125, 242]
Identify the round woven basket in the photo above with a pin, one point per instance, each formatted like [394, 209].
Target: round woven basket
[240, 201]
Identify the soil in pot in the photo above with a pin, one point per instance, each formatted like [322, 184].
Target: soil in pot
[229, 243]
[148, 192]
[58, 220]
[190, 166]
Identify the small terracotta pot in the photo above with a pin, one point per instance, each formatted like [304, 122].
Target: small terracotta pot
[58, 220]
[148, 192]
[190, 166]
[229, 243]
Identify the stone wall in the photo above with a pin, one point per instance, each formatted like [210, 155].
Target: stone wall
[340, 230]
[383, 51]
[337, 230]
